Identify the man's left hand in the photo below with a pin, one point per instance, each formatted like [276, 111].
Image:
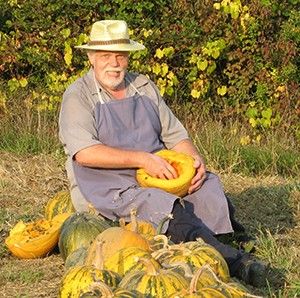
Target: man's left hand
[200, 175]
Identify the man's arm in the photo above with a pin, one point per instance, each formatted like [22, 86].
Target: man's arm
[102, 156]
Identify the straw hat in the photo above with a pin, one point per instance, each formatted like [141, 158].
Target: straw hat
[111, 35]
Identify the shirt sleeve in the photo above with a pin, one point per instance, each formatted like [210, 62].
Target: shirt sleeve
[77, 129]
[172, 129]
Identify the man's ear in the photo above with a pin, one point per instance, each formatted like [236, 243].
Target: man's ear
[91, 56]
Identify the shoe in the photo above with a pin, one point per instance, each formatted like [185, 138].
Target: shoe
[252, 271]
[245, 242]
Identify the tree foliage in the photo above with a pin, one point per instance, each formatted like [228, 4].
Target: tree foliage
[227, 58]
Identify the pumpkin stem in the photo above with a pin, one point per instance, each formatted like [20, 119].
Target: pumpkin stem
[162, 223]
[163, 238]
[133, 218]
[122, 222]
[150, 268]
[158, 253]
[105, 290]
[197, 275]
[92, 210]
[95, 255]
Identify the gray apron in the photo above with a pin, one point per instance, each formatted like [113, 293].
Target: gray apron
[133, 123]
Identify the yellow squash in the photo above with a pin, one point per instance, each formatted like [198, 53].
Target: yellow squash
[184, 165]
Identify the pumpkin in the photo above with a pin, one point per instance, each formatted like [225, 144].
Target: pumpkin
[79, 230]
[205, 278]
[125, 260]
[60, 203]
[35, 239]
[196, 254]
[76, 257]
[78, 279]
[100, 289]
[152, 282]
[116, 238]
[144, 228]
[183, 164]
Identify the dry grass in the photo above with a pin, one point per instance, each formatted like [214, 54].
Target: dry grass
[269, 206]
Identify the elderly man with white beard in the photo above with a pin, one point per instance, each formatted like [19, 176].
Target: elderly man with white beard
[111, 123]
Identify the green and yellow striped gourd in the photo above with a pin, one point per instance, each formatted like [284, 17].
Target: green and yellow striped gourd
[152, 282]
[196, 254]
[58, 204]
[100, 289]
[79, 230]
[126, 260]
[78, 280]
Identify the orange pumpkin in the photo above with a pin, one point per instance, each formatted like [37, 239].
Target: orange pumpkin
[35, 239]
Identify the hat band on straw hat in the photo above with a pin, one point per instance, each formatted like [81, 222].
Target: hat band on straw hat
[108, 42]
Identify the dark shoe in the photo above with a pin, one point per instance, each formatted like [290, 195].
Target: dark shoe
[252, 271]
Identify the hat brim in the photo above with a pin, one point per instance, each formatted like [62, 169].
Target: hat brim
[122, 47]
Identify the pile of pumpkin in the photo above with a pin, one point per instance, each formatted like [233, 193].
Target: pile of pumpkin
[105, 259]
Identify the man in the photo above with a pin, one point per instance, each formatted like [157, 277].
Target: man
[111, 123]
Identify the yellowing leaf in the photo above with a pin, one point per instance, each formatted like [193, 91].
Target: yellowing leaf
[253, 122]
[202, 65]
[156, 68]
[245, 140]
[222, 90]
[217, 6]
[23, 82]
[164, 69]
[159, 53]
[195, 93]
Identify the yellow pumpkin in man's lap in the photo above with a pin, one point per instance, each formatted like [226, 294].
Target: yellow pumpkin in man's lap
[184, 165]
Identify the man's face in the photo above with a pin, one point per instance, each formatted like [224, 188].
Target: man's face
[109, 67]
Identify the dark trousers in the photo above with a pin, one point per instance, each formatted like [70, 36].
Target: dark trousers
[186, 226]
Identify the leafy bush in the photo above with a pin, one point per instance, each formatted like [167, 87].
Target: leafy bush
[227, 58]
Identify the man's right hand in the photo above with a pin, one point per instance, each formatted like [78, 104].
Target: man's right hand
[158, 167]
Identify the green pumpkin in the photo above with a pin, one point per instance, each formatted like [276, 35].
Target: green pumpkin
[100, 289]
[79, 230]
[60, 203]
[152, 282]
[76, 257]
[80, 279]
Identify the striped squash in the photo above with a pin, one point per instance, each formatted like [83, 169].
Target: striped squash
[100, 289]
[60, 203]
[208, 292]
[152, 282]
[196, 254]
[126, 259]
[78, 280]
[79, 230]
[76, 257]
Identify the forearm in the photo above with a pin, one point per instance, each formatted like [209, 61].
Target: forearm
[102, 156]
[186, 146]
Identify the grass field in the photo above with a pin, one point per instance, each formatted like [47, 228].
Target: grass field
[268, 205]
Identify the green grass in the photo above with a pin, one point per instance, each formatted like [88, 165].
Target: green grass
[221, 146]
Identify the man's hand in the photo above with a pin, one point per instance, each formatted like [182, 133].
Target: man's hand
[158, 167]
[200, 175]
